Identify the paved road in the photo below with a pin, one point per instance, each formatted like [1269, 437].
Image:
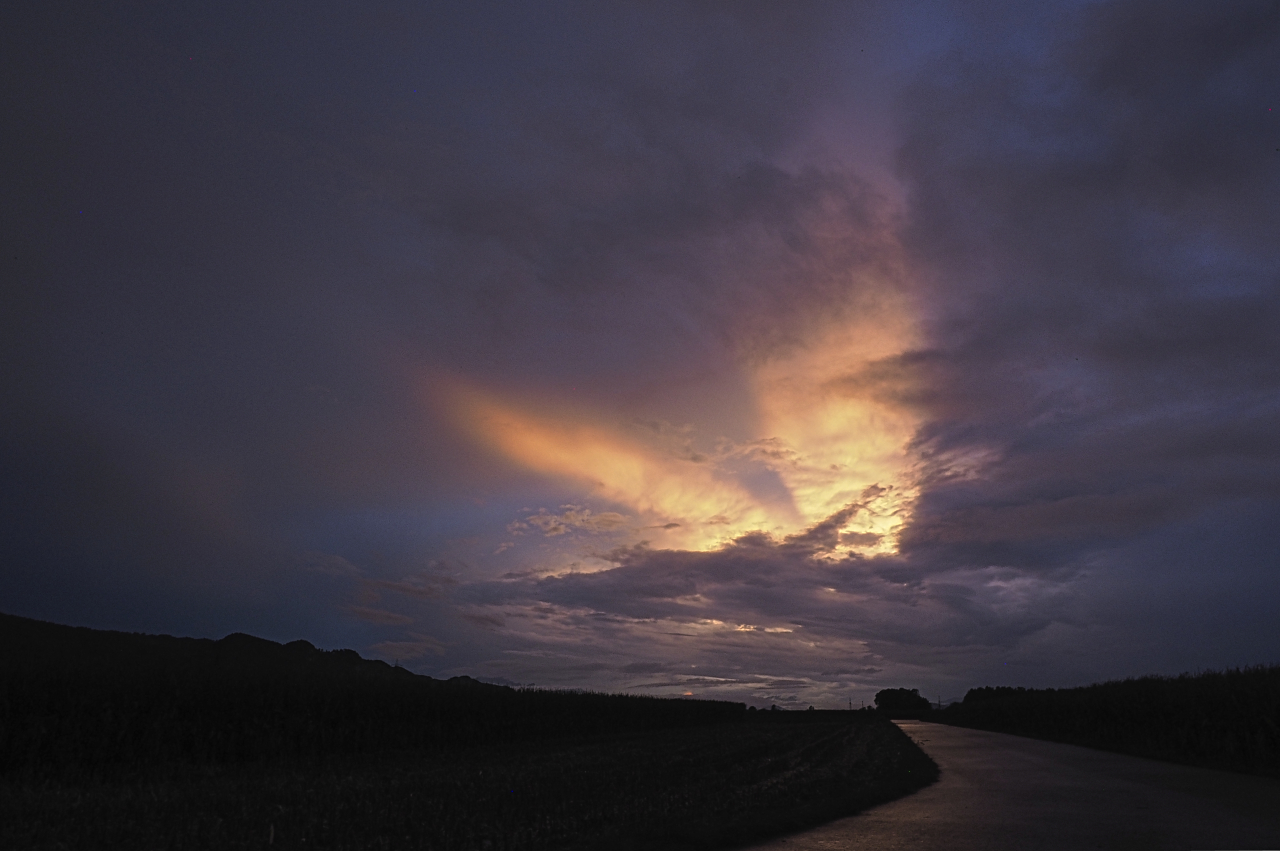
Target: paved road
[1001, 793]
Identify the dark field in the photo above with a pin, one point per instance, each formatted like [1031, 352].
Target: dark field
[701, 788]
[111, 740]
[1228, 720]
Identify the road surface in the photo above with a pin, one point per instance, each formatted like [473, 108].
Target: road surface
[1000, 793]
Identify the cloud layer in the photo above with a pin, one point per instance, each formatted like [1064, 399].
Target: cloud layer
[781, 353]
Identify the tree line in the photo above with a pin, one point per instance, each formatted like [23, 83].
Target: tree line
[1216, 719]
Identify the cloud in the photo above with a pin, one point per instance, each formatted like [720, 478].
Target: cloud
[1086, 220]
[905, 431]
[644, 668]
[486, 621]
[380, 616]
[329, 565]
[572, 518]
[423, 585]
[791, 609]
[615, 468]
[819, 450]
[854, 672]
[415, 646]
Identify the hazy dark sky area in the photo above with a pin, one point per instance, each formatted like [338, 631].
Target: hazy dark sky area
[779, 352]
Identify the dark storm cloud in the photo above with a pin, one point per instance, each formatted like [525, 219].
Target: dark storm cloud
[766, 610]
[1097, 224]
[611, 201]
[232, 233]
[1093, 227]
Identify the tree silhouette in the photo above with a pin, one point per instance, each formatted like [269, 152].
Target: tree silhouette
[901, 702]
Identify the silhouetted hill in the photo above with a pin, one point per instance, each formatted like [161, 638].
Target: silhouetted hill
[72, 695]
[31, 645]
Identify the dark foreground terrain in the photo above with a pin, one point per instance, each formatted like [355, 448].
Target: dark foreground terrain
[128, 741]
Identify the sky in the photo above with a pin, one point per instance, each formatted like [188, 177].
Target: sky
[772, 352]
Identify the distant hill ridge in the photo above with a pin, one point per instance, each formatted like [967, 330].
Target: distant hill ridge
[78, 696]
[25, 643]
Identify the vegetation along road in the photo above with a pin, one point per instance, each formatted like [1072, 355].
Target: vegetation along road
[998, 792]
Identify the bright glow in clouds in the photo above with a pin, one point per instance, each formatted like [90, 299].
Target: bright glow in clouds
[661, 489]
[822, 447]
[842, 444]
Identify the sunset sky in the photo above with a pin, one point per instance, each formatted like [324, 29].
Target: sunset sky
[775, 352]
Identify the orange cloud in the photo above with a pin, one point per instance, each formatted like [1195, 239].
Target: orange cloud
[838, 444]
[828, 446]
[662, 489]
